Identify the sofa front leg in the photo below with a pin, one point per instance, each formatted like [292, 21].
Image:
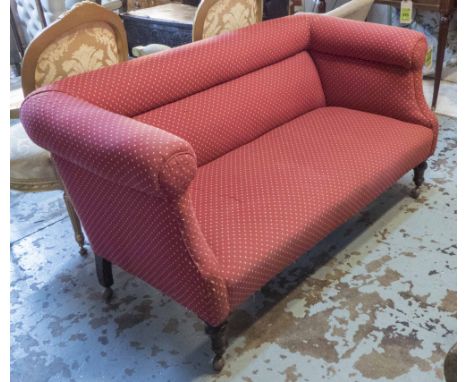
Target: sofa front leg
[218, 344]
[418, 179]
[104, 274]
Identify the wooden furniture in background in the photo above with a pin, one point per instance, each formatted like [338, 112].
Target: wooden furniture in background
[175, 24]
[446, 9]
[85, 33]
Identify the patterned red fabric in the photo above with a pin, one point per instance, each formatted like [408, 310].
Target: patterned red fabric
[233, 165]
[373, 68]
[150, 236]
[229, 115]
[109, 145]
[137, 86]
[309, 175]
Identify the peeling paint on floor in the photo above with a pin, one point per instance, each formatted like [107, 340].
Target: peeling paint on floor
[375, 301]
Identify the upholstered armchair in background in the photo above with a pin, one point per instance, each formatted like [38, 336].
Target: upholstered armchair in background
[178, 23]
[31, 16]
[353, 10]
[87, 37]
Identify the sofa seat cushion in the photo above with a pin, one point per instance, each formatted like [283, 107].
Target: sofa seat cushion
[264, 204]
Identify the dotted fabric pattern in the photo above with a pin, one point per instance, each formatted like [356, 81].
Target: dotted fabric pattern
[152, 237]
[118, 148]
[229, 115]
[372, 67]
[206, 169]
[137, 86]
[266, 203]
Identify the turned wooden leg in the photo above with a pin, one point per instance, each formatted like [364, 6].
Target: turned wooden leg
[418, 179]
[76, 224]
[218, 344]
[104, 274]
[442, 42]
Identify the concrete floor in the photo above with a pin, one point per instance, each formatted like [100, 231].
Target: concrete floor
[375, 301]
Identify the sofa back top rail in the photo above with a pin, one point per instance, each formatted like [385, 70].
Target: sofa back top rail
[144, 84]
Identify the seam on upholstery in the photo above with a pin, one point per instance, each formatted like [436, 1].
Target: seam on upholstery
[412, 71]
[413, 56]
[204, 276]
[171, 157]
[422, 108]
[163, 163]
[218, 84]
[359, 59]
[160, 195]
[207, 278]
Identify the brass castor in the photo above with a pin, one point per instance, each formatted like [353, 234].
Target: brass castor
[107, 294]
[218, 363]
[415, 192]
[418, 179]
[218, 344]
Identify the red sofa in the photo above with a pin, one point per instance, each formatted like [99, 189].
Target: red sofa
[207, 169]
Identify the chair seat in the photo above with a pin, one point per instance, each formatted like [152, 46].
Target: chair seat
[30, 165]
[176, 12]
[266, 203]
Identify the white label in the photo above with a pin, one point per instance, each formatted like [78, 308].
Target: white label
[406, 12]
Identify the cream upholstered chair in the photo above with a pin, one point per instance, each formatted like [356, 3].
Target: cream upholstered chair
[215, 17]
[210, 18]
[85, 38]
[354, 10]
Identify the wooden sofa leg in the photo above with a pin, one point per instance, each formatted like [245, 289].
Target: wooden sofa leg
[104, 274]
[218, 344]
[76, 224]
[418, 179]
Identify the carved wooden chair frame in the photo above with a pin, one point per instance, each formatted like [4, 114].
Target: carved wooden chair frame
[202, 12]
[82, 13]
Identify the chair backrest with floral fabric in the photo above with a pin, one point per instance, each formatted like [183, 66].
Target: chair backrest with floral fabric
[85, 38]
[215, 17]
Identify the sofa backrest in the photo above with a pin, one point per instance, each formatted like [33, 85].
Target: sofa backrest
[217, 93]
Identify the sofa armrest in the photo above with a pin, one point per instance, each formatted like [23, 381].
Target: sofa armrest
[112, 146]
[368, 41]
[371, 67]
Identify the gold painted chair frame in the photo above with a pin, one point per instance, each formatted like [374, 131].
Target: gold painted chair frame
[82, 13]
[202, 13]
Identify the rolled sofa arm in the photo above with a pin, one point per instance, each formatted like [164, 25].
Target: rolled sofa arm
[115, 147]
[371, 67]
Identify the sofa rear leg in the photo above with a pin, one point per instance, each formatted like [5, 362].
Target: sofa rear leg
[104, 274]
[218, 344]
[418, 179]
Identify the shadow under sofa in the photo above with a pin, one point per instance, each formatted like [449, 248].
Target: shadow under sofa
[207, 169]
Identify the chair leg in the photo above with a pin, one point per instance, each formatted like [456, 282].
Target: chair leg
[418, 179]
[76, 224]
[218, 344]
[104, 274]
